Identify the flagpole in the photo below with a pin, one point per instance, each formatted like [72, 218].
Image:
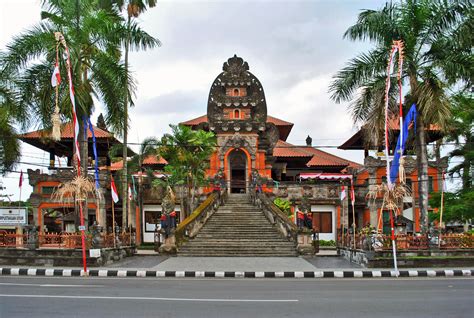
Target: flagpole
[113, 220]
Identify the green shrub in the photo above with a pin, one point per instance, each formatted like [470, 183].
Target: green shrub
[327, 243]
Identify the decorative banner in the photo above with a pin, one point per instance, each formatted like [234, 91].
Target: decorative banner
[396, 47]
[402, 138]
[60, 38]
[96, 157]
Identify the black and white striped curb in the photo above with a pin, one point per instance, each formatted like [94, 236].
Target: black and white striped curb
[235, 274]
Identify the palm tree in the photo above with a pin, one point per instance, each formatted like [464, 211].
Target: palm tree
[462, 127]
[187, 152]
[91, 35]
[437, 36]
[10, 116]
[132, 39]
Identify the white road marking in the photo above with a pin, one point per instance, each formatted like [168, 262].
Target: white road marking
[49, 285]
[156, 298]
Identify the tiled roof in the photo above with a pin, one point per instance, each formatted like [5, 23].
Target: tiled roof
[322, 158]
[67, 132]
[285, 149]
[316, 157]
[150, 160]
[153, 160]
[203, 119]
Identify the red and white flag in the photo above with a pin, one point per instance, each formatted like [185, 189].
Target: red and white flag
[130, 197]
[113, 191]
[343, 192]
[21, 179]
[56, 78]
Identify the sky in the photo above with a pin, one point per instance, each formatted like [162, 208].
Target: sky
[293, 47]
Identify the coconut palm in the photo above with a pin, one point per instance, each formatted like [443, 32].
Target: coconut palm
[437, 35]
[90, 34]
[10, 116]
[132, 39]
[187, 152]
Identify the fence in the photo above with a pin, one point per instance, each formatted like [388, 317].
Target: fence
[65, 240]
[406, 242]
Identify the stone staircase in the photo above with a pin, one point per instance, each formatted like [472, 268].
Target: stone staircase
[238, 229]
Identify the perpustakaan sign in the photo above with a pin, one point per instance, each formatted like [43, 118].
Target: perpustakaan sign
[13, 216]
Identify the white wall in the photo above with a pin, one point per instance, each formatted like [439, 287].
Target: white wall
[149, 237]
[327, 208]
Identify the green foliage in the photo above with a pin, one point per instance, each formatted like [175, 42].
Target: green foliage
[462, 133]
[458, 206]
[327, 243]
[187, 152]
[283, 205]
[437, 37]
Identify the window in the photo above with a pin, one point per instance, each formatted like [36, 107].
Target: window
[237, 114]
[47, 190]
[151, 219]
[236, 92]
[322, 221]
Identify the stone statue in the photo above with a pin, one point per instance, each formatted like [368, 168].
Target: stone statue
[97, 239]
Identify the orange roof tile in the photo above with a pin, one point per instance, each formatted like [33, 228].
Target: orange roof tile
[153, 160]
[318, 157]
[285, 149]
[322, 158]
[67, 132]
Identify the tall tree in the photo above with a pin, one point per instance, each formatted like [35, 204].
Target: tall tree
[461, 131]
[437, 35]
[91, 35]
[133, 39]
[11, 115]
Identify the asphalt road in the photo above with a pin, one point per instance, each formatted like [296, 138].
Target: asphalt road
[124, 297]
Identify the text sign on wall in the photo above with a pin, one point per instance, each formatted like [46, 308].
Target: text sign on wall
[12, 216]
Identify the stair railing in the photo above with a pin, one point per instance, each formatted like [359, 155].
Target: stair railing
[191, 226]
[275, 216]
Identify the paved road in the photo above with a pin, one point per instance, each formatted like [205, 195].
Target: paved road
[97, 297]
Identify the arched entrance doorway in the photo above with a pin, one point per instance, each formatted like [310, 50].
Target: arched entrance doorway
[237, 171]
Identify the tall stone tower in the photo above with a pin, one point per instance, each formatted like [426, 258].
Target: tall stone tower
[237, 114]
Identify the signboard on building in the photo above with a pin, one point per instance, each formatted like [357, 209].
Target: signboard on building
[13, 216]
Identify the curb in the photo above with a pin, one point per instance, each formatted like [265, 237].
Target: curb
[237, 274]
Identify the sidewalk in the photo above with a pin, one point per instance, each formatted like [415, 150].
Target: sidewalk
[235, 267]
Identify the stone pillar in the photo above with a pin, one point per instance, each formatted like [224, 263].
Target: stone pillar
[373, 208]
[102, 219]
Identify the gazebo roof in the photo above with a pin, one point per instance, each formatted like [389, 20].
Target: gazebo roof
[42, 139]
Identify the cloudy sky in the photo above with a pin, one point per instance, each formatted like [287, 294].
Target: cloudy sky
[293, 47]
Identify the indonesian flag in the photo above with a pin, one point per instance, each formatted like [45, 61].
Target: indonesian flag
[113, 191]
[130, 197]
[56, 77]
[21, 179]
[343, 192]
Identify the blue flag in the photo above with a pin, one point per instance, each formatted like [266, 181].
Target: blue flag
[411, 116]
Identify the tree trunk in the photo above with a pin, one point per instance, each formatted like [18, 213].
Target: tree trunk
[125, 133]
[422, 165]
